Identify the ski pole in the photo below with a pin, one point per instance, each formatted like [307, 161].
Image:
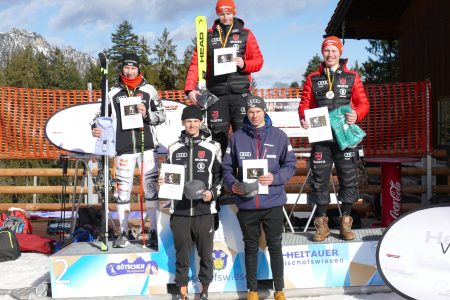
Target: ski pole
[141, 188]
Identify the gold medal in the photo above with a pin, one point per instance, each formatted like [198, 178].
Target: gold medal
[329, 95]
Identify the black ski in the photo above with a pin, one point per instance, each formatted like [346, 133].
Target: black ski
[105, 159]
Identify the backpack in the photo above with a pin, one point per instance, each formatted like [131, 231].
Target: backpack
[9, 246]
[16, 220]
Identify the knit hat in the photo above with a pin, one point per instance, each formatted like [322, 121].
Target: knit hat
[194, 189]
[250, 189]
[192, 112]
[333, 41]
[255, 101]
[225, 6]
[130, 59]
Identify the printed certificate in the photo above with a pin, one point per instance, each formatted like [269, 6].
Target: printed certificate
[252, 169]
[223, 61]
[173, 182]
[319, 124]
[131, 118]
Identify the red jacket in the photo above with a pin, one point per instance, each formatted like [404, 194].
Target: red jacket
[247, 47]
[347, 88]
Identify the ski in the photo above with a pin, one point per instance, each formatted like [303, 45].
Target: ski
[205, 99]
[201, 28]
[105, 159]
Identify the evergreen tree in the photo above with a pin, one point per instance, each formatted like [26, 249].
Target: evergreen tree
[294, 84]
[359, 69]
[183, 67]
[166, 62]
[93, 75]
[22, 69]
[124, 40]
[386, 67]
[313, 65]
[63, 72]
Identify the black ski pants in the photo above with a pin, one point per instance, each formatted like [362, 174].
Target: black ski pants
[323, 154]
[230, 109]
[198, 230]
[271, 220]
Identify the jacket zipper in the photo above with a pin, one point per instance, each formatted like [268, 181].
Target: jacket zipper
[258, 142]
[191, 172]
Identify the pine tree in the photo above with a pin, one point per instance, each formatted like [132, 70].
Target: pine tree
[386, 67]
[93, 75]
[63, 72]
[294, 84]
[166, 62]
[313, 65]
[183, 67]
[124, 40]
[22, 69]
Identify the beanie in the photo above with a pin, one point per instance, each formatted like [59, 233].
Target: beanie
[332, 41]
[255, 101]
[130, 59]
[225, 6]
[192, 112]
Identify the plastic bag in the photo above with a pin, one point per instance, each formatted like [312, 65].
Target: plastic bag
[347, 135]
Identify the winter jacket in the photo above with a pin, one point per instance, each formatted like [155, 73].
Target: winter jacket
[347, 87]
[201, 157]
[266, 142]
[129, 141]
[246, 46]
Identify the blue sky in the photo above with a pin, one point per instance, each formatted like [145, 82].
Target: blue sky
[289, 32]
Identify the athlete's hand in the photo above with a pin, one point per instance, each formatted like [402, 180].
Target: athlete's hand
[351, 117]
[97, 132]
[207, 196]
[193, 96]
[266, 179]
[161, 180]
[239, 62]
[304, 123]
[236, 190]
[142, 110]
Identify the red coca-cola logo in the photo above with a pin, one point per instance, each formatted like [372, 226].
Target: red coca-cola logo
[394, 191]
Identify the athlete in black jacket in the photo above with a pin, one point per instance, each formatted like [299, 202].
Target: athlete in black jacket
[192, 220]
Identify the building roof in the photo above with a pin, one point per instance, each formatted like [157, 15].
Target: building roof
[367, 19]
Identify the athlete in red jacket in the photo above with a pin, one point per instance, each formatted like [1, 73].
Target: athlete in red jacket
[232, 88]
[333, 85]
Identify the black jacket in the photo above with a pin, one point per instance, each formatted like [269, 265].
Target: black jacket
[201, 157]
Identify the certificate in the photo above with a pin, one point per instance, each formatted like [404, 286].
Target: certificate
[130, 115]
[173, 181]
[319, 124]
[252, 169]
[223, 61]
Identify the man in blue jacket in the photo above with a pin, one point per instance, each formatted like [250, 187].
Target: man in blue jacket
[258, 139]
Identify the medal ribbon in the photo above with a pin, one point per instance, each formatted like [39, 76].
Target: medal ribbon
[330, 80]
[219, 29]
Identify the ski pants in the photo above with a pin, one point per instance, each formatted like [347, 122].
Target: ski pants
[230, 109]
[198, 230]
[125, 165]
[323, 155]
[271, 220]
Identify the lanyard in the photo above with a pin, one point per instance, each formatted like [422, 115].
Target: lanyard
[130, 92]
[330, 80]
[224, 42]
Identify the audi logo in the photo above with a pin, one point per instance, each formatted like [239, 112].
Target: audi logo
[180, 155]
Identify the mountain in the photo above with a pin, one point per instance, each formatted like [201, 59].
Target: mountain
[18, 39]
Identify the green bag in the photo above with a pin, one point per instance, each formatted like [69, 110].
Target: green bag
[347, 135]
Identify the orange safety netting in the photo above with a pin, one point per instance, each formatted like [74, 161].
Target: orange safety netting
[396, 125]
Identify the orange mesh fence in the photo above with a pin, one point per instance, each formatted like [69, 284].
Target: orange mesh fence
[395, 125]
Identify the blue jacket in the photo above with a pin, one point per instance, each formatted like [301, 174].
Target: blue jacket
[274, 146]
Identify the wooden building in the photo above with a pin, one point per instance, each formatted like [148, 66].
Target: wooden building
[423, 30]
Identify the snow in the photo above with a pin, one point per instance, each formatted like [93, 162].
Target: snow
[32, 269]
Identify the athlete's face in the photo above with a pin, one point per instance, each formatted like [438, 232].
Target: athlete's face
[192, 127]
[256, 116]
[331, 56]
[226, 18]
[130, 72]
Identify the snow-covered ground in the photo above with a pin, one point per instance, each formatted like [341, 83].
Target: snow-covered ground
[32, 269]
